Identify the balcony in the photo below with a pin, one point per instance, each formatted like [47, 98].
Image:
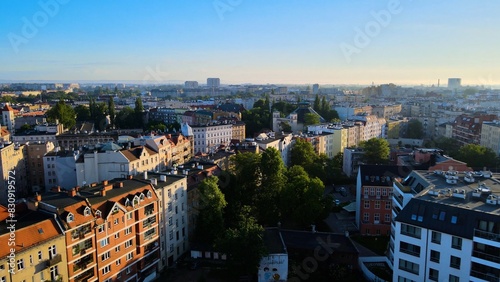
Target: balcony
[399, 199]
[85, 276]
[487, 235]
[410, 252]
[486, 256]
[401, 187]
[55, 260]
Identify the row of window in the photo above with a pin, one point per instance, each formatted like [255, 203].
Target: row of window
[377, 204]
[376, 217]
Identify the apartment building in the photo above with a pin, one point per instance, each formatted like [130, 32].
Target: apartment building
[448, 230]
[59, 169]
[490, 135]
[281, 142]
[238, 133]
[13, 162]
[467, 128]
[111, 228]
[208, 138]
[337, 142]
[38, 252]
[172, 192]
[36, 170]
[374, 189]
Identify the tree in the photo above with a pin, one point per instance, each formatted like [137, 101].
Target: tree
[317, 105]
[415, 129]
[310, 119]
[449, 146]
[126, 118]
[82, 113]
[243, 245]
[139, 109]
[302, 153]
[26, 127]
[210, 223]
[111, 109]
[477, 156]
[302, 202]
[273, 180]
[376, 151]
[62, 112]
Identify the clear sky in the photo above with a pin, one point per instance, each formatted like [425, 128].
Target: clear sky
[252, 41]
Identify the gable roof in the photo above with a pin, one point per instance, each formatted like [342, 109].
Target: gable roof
[382, 175]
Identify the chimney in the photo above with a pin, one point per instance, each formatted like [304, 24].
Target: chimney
[103, 192]
[38, 197]
[129, 176]
[145, 175]
[119, 184]
[313, 227]
[77, 188]
[72, 192]
[108, 187]
[56, 189]
[104, 182]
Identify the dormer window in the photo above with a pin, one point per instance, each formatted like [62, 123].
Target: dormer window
[98, 214]
[127, 202]
[70, 217]
[86, 211]
[115, 210]
[149, 194]
[142, 197]
[136, 201]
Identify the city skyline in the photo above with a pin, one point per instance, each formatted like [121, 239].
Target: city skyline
[283, 42]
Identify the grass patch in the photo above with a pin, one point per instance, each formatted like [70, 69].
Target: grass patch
[378, 244]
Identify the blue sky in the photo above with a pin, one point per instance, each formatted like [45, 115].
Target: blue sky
[251, 41]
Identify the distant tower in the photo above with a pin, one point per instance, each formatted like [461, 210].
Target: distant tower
[454, 83]
[315, 88]
[8, 117]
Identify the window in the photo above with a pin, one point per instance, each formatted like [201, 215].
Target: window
[171, 234]
[408, 266]
[105, 256]
[54, 272]
[387, 217]
[104, 242]
[70, 217]
[433, 274]
[130, 256]
[410, 249]
[169, 207]
[129, 215]
[377, 204]
[367, 204]
[387, 205]
[170, 221]
[436, 237]
[128, 230]
[129, 269]
[117, 235]
[409, 230]
[116, 221]
[171, 248]
[118, 262]
[376, 218]
[101, 228]
[453, 278]
[128, 243]
[20, 264]
[52, 251]
[454, 219]
[169, 193]
[40, 255]
[86, 212]
[117, 249]
[366, 217]
[106, 269]
[384, 191]
[435, 256]
[456, 243]
[98, 213]
[455, 262]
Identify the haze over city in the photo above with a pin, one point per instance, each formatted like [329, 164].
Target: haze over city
[282, 42]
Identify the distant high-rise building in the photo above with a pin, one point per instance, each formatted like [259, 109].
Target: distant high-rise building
[191, 84]
[315, 88]
[454, 83]
[213, 82]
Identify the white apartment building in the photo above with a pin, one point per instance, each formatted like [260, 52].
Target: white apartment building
[172, 192]
[282, 143]
[490, 135]
[449, 230]
[208, 138]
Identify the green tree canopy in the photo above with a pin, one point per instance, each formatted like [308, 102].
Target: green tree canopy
[302, 153]
[310, 119]
[477, 156]
[82, 113]
[62, 112]
[449, 146]
[415, 129]
[376, 151]
[111, 110]
[210, 223]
